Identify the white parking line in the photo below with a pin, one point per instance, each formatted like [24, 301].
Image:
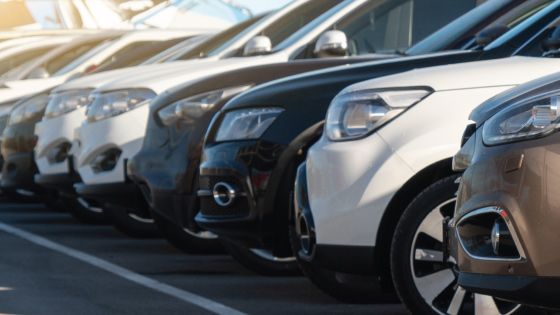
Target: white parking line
[183, 295]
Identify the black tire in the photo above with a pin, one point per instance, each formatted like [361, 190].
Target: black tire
[257, 263]
[184, 241]
[348, 288]
[410, 235]
[83, 213]
[129, 225]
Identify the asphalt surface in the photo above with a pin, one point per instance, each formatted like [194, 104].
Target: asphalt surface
[51, 264]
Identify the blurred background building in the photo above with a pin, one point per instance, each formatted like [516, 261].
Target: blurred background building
[126, 14]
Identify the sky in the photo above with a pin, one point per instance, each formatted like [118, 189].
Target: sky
[258, 6]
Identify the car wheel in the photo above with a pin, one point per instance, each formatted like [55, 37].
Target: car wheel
[261, 261]
[131, 224]
[84, 210]
[426, 284]
[190, 241]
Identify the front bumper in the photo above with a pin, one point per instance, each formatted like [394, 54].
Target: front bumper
[53, 133]
[341, 258]
[19, 166]
[125, 195]
[62, 182]
[123, 133]
[166, 169]
[18, 172]
[248, 167]
[520, 178]
[528, 290]
[350, 185]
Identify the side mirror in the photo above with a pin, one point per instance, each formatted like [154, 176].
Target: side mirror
[39, 73]
[551, 45]
[75, 76]
[331, 44]
[488, 35]
[258, 45]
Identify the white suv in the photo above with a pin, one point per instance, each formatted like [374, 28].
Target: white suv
[363, 187]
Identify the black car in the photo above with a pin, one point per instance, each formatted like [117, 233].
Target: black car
[258, 139]
[167, 166]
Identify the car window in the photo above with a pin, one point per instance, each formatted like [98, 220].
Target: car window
[218, 40]
[12, 62]
[522, 25]
[176, 50]
[134, 54]
[460, 34]
[387, 26]
[287, 25]
[76, 57]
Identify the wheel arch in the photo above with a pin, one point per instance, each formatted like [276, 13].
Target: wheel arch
[404, 196]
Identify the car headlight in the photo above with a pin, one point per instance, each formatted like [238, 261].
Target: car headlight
[528, 119]
[105, 105]
[246, 124]
[67, 101]
[194, 107]
[355, 114]
[28, 109]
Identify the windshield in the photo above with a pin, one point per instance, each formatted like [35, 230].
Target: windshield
[177, 50]
[76, 57]
[218, 40]
[176, 13]
[525, 23]
[383, 26]
[134, 54]
[286, 25]
[10, 65]
[461, 33]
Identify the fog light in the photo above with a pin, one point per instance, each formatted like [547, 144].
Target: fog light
[106, 161]
[486, 234]
[224, 194]
[59, 153]
[502, 240]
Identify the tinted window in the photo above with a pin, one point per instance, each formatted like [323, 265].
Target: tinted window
[460, 33]
[134, 54]
[6, 64]
[290, 23]
[218, 40]
[393, 25]
[55, 64]
[76, 58]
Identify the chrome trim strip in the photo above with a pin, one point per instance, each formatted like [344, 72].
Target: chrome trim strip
[487, 210]
[204, 193]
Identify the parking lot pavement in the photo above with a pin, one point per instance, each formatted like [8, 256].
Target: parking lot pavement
[51, 264]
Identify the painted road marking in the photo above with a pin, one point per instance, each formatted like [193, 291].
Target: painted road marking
[150, 283]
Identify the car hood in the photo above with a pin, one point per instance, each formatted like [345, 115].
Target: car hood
[14, 90]
[162, 79]
[531, 89]
[96, 80]
[490, 73]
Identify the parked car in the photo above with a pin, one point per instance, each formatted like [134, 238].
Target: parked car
[166, 166]
[17, 52]
[20, 140]
[67, 108]
[295, 36]
[504, 224]
[76, 58]
[260, 166]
